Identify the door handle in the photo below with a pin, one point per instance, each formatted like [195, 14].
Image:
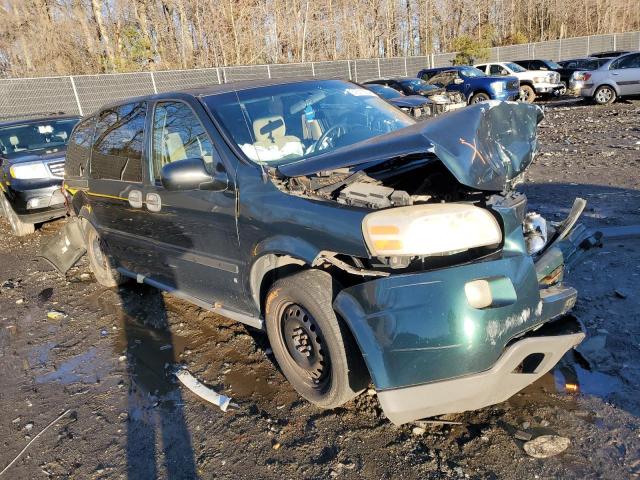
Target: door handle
[135, 198]
[154, 202]
[615, 73]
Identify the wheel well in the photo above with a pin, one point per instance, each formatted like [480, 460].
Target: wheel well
[476, 92]
[612, 87]
[528, 83]
[269, 268]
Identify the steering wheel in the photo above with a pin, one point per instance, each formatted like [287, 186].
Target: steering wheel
[332, 134]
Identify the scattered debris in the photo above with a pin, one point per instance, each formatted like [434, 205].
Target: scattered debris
[67, 412]
[620, 293]
[418, 431]
[20, 301]
[276, 446]
[520, 435]
[203, 391]
[55, 315]
[371, 392]
[546, 446]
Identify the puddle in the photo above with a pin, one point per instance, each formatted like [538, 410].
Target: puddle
[88, 367]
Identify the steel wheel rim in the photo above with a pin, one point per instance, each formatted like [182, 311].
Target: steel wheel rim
[96, 250]
[304, 344]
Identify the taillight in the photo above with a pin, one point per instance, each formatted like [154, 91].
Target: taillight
[586, 76]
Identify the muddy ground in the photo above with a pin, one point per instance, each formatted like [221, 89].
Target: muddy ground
[106, 360]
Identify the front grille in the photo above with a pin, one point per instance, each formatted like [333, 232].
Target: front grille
[57, 168]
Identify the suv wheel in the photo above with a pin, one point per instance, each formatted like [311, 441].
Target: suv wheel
[314, 349]
[605, 95]
[478, 97]
[20, 228]
[102, 265]
[528, 93]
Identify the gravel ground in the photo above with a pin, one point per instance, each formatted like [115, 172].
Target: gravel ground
[105, 359]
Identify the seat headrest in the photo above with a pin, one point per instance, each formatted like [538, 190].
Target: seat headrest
[267, 128]
[14, 140]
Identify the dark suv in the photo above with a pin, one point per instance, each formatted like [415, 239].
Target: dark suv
[367, 244]
[32, 168]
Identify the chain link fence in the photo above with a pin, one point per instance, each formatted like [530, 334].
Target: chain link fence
[83, 94]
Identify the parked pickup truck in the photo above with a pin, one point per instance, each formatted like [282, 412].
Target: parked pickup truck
[475, 85]
[368, 245]
[533, 83]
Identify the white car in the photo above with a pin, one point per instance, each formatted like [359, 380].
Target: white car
[532, 82]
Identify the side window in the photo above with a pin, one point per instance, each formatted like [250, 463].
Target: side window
[178, 135]
[117, 147]
[495, 69]
[630, 61]
[79, 148]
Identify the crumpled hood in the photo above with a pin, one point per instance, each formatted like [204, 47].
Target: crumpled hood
[409, 101]
[485, 145]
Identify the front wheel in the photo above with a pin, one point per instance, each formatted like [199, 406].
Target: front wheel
[101, 263]
[478, 97]
[19, 228]
[528, 93]
[314, 349]
[605, 95]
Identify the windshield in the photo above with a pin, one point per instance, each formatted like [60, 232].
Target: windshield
[384, 91]
[472, 72]
[45, 135]
[280, 124]
[514, 67]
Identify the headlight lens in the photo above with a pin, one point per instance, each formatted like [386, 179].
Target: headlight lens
[434, 229]
[25, 171]
[498, 87]
[540, 80]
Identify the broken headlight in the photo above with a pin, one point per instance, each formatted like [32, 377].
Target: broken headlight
[432, 229]
[535, 232]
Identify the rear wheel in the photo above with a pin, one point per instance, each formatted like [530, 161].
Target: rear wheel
[605, 95]
[20, 228]
[479, 97]
[528, 93]
[101, 263]
[314, 349]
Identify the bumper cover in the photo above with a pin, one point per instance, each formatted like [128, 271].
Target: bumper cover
[493, 386]
[36, 201]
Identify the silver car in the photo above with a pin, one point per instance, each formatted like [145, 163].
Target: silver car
[619, 77]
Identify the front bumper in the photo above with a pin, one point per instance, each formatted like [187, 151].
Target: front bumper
[546, 88]
[522, 363]
[506, 95]
[36, 201]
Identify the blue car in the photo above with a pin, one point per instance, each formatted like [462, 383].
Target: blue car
[475, 85]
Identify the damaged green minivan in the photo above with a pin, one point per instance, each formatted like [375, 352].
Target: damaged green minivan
[369, 246]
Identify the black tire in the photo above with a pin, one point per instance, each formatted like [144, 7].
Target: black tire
[19, 228]
[100, 261]
[528, 93]
[314, 349]
[478, 97]
[605, 95]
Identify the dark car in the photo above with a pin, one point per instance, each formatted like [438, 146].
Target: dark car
[610, 53]
[367, 244]
[475, 85]
[442, 100]
[32, 169]
[416, 105]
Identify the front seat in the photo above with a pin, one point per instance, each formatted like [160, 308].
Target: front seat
[271, 132]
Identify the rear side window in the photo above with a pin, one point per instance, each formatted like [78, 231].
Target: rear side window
[630, 61]
[118, 141]
[79, 148]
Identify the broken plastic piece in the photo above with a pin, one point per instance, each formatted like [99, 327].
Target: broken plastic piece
[66, 247]
[203, 391]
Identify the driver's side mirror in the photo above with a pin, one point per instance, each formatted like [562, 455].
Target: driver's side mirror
[192, 174]
[458, 81]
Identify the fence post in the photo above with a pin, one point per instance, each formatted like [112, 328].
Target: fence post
[355, 69]
[313, 70]
[615, 43]
[268, 71]
[349, 67]
[406, 72]
[75, 93]
[379, 74]
[224, 75]
[153, 82]
[218, 75]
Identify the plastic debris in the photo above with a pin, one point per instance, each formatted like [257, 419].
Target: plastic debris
[418, 431]
[546, 446]
[203, 391]
[55, 315]
[520, 435]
